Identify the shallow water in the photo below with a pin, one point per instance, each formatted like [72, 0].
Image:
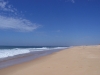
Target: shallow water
[20, 58]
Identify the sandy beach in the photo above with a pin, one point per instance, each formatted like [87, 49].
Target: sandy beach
[79, 60]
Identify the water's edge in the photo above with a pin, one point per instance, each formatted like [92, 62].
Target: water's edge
[24, 58]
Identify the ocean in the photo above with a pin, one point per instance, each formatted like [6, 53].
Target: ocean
[10, 55]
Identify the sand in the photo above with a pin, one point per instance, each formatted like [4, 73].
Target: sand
[80, 60]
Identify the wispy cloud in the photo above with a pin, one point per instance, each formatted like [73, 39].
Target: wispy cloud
[16, 23]
[73, 1]
[4, 6]
[11, 22]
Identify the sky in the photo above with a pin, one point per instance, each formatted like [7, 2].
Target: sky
[49, 22]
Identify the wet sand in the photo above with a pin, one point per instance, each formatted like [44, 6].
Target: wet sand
[79, 60]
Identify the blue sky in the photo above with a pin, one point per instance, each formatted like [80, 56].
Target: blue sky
[49, 22]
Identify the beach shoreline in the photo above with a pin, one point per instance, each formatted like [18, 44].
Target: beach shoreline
[10, 61]
[84, 60]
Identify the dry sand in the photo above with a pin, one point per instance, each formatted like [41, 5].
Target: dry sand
[80, 60]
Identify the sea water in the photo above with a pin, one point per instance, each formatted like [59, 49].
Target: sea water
[10, 55]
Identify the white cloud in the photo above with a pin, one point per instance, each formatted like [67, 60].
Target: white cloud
[11, 22]
[17, 24]
[4, 6]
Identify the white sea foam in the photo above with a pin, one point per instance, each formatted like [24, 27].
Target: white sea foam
[16, 51]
